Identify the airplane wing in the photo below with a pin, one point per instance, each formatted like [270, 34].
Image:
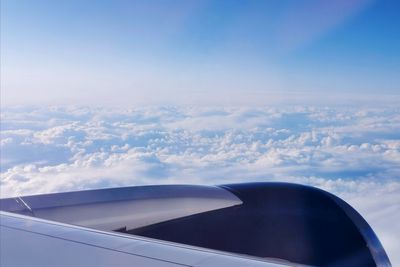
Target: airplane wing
[27, 241]
[254, 224]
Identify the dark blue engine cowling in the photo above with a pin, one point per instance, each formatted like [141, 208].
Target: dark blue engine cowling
[296, 223]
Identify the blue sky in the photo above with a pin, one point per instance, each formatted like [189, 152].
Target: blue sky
[174, 52]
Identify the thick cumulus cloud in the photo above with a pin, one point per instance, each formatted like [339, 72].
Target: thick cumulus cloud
[351, 152]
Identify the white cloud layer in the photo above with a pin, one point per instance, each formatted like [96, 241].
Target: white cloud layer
[351, 152]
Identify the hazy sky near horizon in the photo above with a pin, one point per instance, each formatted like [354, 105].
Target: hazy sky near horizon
[151, 52]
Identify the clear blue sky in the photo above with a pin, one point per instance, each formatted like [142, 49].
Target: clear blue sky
[183, 51]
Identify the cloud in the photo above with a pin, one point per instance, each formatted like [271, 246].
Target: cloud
[351, 152]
